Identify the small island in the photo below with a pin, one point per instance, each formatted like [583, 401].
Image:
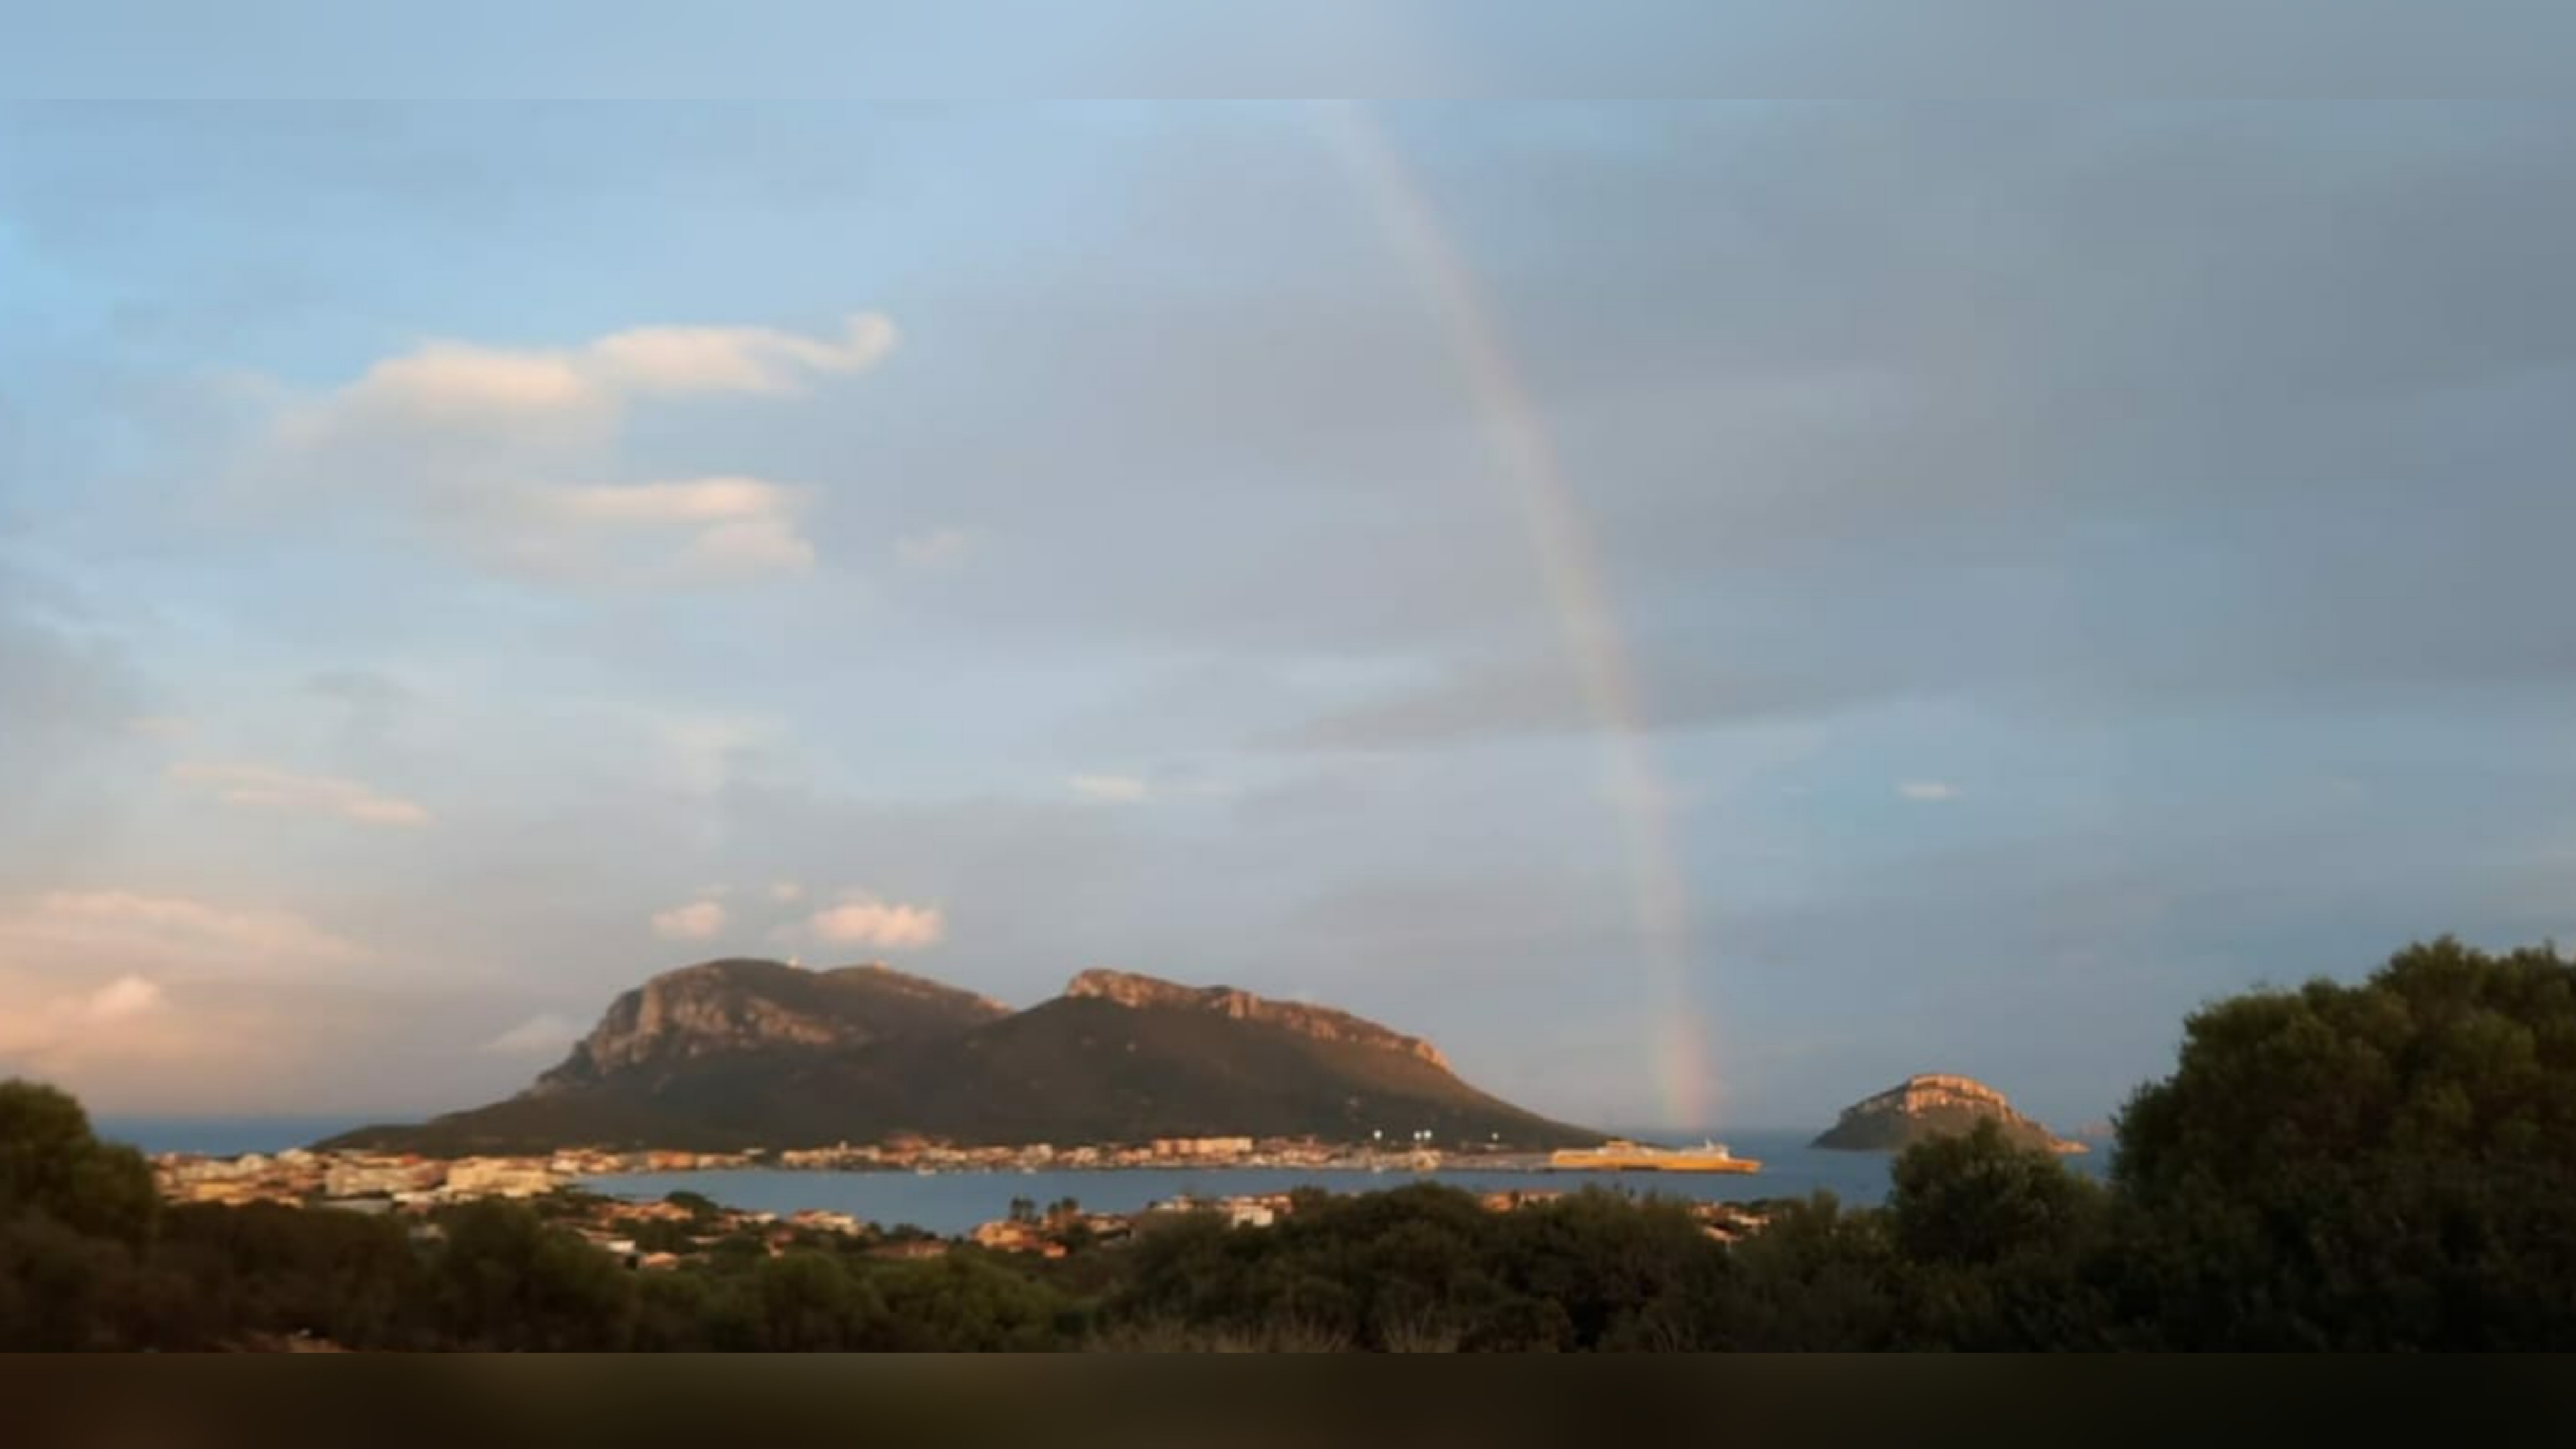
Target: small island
[1929, 1105]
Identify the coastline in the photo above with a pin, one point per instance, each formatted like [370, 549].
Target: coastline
[339, 1176]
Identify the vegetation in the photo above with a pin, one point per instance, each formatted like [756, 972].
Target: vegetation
[2386, 1166]
[2389, 1165]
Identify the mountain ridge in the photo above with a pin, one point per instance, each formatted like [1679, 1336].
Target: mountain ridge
[1128, 988]
[740, 1052]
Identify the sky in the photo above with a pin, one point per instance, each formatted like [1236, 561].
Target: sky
[1700, 610]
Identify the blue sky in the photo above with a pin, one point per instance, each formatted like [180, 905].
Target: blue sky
[455, 561]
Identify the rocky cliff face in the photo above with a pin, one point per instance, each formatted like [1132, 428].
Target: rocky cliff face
[1320, 1022]
[720, 1007]
[1932, 1104]
[733, 1054]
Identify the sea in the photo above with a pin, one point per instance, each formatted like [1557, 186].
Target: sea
[953, 1202]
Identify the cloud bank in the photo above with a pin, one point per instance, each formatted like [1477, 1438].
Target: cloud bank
[266, 787]
[502, 453]
[696, 921]
[868, 922]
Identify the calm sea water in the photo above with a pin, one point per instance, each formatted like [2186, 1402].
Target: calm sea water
[953, 1202]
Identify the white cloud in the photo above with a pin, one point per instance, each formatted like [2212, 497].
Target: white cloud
[449, 388]
[159, 726]
[124, 1041]
[938, 549]
[495, 451]
[40, 1026]
[449, 378]
[864, 921]
[787, 892]
[1106, 789]
[140, 1001]
[675, 360]
[678, 532]
[1930, 792]
[125, 996]
[1110, 789]
[696, 921]
[67, 932]
[541, 1035]
[746, 549]
[449, 384]
[696, 500]
[265, 787]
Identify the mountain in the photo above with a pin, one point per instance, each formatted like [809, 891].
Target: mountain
[721, 1008]
[1932, 1105]
[734, 1054]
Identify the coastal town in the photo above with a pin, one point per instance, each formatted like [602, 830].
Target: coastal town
[660, 1234]
[350, 1177]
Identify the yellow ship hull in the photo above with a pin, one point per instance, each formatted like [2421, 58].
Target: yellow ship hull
[1616, 1160]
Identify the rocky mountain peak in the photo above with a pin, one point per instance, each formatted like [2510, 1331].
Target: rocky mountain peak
[1927, 1090]
[736, 1005]
[1932, 1104]
[920, 988]
[1139, 992]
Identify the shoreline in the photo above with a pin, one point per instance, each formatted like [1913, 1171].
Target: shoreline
[327, 1176]
[372, 1180]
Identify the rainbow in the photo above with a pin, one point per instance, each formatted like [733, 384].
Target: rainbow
[1568, 564]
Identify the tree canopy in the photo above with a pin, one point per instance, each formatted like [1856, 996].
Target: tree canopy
[2388, 1164]
[50, 1163]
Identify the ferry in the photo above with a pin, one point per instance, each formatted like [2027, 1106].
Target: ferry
[1621, 1155]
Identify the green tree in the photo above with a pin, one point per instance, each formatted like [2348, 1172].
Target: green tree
[64, 1289]
[1625, 1274]
[810, 1303]
[507, 1279]
[75, 1217]
[2388, 1165]
[271, 1270]
[2002, 1245]
[1817, 1277]
[701, 1208]
[50, 1163]
[1977, 1198]
[963, 1302]
[661, 1235]
[677, 1312]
